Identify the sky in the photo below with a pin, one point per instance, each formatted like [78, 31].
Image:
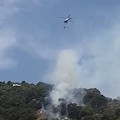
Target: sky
[34, 46]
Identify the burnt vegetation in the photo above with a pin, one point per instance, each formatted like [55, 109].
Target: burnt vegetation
[26, 101]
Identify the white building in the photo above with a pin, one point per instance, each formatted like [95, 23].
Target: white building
[18, 85]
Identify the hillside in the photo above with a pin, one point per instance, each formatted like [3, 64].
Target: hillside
[32, 102]
[21, 102]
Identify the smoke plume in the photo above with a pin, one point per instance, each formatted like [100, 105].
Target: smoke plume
[66, 77]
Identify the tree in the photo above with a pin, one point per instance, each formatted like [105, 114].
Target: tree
[95, 100]
[9, 83]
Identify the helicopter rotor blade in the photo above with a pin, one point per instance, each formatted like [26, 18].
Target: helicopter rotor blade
[62, 17]
[70, 20]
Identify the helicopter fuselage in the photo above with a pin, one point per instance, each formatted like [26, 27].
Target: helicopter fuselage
[66, 20]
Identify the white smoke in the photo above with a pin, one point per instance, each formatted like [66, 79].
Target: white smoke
[66, 77]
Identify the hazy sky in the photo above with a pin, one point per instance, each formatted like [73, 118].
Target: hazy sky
[33, 38]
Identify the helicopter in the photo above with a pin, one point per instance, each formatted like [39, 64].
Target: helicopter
[67, 19]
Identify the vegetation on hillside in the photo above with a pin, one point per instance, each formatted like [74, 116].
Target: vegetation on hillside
[23, 102]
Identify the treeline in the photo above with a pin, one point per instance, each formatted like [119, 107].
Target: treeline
[22, 102]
